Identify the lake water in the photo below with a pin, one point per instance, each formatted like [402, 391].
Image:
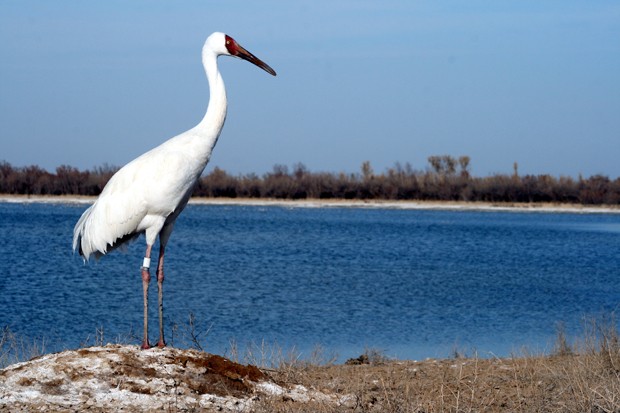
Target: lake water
[411, 283]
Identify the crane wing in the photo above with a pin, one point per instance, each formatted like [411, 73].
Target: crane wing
[138, 198]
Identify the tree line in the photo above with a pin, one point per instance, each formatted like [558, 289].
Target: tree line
[445, 179]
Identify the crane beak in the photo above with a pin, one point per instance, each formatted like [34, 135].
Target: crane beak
[245, 55]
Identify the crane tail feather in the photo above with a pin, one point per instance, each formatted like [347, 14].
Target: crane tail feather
[92, 236]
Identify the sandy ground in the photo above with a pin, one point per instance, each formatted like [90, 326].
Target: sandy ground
[125, 378]
[321, 203]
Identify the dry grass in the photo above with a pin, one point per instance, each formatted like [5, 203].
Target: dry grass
[15, 348]
[578, 383]
[583, 377]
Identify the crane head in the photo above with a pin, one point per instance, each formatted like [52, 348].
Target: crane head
[222, 44]
[236, 50]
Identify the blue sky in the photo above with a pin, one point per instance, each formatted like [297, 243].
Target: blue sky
[533, 82]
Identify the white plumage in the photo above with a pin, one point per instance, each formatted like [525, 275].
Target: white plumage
[147, 194]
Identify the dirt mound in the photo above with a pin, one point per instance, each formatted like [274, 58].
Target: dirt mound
[114, 378]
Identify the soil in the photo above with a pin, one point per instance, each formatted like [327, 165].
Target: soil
[115, 378]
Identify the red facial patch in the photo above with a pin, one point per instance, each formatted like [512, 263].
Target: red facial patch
[231, 45]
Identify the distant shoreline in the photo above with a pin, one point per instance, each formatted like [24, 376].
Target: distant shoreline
[346, 203]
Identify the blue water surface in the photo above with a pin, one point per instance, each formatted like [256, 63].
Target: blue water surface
[411, 283]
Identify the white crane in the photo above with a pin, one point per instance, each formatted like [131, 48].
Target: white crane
[147, 195]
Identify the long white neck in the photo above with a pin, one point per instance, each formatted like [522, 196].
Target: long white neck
[211, 125]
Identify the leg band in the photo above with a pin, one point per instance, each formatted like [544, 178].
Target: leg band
[146, 263]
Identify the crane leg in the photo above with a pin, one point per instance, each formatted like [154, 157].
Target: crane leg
[146, 278]
[160, 295]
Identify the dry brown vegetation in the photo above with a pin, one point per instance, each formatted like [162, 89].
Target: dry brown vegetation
[445, 179]
[566, 383]
[582, 377]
